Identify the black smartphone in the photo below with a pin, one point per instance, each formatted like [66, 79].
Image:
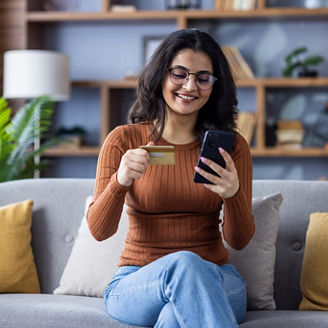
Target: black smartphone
[214, 139]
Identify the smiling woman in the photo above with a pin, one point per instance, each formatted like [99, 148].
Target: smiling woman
[174, 248]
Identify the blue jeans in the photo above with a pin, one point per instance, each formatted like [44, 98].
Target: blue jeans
[178, 290]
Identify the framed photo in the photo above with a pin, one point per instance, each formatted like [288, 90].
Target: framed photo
[150, 43]
[59, 5]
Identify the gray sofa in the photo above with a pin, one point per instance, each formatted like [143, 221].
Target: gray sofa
[58, 209]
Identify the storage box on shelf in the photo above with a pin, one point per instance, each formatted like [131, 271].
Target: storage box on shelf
[110, 90]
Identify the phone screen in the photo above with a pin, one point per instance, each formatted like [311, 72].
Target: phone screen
[210, 149]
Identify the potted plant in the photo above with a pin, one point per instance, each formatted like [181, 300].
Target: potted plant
[72, 136]
[17, 137]
[296, 60]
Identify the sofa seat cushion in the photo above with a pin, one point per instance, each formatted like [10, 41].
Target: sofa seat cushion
[54, 311]
[285, 319]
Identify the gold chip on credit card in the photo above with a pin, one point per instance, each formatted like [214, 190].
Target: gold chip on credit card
[163, 155]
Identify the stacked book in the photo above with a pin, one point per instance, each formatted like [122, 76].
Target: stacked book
[235, 4]
[290, 134]
[123, 8]
[238, 65]
[246, 123]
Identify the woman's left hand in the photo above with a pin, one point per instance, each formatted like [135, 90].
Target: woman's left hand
[227, 184]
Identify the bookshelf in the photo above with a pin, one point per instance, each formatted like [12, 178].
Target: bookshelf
[35, 20]
[261, 86]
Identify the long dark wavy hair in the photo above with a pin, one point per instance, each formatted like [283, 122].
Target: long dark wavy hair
[219, 112]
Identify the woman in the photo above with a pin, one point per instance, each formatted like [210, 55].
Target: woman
[174, 269]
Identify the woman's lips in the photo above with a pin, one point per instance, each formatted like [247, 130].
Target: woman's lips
[186, 98]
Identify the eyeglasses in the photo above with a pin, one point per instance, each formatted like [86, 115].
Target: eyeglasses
[179, 76]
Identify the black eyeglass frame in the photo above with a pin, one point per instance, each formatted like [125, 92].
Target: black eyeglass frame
[213, 79]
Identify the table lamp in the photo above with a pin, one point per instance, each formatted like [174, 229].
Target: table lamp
[33, 73]
[29, 74]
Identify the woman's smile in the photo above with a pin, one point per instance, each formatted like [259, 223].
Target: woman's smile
[186, 97]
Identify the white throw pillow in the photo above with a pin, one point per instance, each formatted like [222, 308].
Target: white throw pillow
[92, 264]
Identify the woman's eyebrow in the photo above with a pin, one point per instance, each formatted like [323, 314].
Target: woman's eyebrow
[188, 70]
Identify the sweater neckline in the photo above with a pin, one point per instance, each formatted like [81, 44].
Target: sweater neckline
[164, 142]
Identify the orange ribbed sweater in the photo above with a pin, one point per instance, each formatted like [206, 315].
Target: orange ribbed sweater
[167, 211]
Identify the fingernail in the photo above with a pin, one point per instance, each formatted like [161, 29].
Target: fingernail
[197, 168]
[221, 150]
[203, 159]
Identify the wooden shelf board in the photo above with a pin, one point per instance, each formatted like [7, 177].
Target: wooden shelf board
[53, 16]
[40, 16]
[294, 82]
[285, 152]
[266, 82]
[119, 84]
[72, 151]
[257, 13]
[265, 152]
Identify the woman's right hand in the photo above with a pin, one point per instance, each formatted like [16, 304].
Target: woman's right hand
[133, 165]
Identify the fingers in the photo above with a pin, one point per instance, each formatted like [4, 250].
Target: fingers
[227, 158]
[133, 165]
[208, 176]
[227, 183]
[136, 159]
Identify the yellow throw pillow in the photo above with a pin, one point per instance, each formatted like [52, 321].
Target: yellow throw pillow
[314, 279]
[17, 268]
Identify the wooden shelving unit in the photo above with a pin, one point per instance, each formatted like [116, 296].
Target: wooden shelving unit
[35, 19]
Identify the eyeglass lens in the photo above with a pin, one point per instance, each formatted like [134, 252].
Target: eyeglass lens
[179, 76]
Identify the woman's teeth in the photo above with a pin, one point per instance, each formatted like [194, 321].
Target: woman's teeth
[186, 97]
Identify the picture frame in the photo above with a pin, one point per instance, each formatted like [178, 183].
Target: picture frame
[150, 43]
[59, 5]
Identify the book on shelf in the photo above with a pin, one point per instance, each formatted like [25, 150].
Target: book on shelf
[238, 65]
[123, 8]
[290, 134]
[246, 123]
[224, 5]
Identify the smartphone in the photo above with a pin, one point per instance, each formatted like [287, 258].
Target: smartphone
[214, 139]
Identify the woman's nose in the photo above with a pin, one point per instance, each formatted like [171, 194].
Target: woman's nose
[190, 83]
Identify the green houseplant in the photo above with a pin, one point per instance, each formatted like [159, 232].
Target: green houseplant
[295, 60]
[17, 137]
[72, 136]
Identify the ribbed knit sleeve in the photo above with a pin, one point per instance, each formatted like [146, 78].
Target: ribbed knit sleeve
[238, 224]
[105, 210]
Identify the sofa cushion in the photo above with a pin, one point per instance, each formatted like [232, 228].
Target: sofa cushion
[314, 278]
[54, 311]
[17, 268]
[256, 261]
[285, 319]
[92, 264]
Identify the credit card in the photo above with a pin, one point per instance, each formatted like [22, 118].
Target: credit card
[160, 155]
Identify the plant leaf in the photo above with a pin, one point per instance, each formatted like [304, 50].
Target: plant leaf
[31, 121]
[287, 72]
[6, 143]
[312, 60]
[295, 53]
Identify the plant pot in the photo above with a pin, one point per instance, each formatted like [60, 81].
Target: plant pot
[308, 74]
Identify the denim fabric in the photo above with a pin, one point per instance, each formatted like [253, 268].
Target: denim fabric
[178, 290]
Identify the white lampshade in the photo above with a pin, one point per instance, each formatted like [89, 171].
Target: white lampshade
[34, 73]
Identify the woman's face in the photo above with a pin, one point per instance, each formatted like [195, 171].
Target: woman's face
[188, 98]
